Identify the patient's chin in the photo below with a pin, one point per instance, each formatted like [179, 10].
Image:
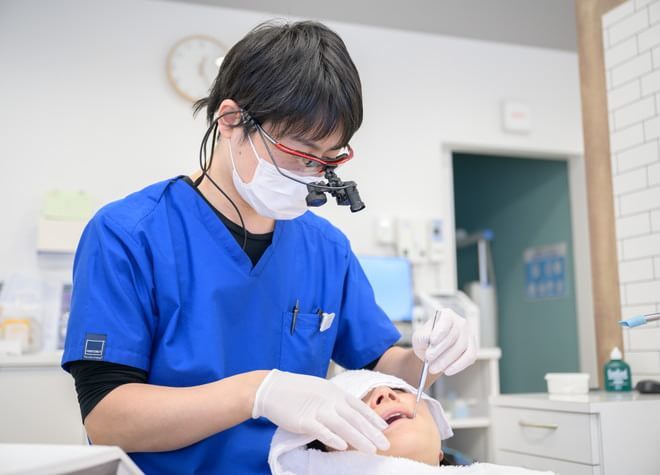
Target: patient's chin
[410, 446]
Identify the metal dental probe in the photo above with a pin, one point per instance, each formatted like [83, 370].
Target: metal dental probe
[422, 378]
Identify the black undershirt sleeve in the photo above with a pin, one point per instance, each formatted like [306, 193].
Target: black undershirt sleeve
[95, 379]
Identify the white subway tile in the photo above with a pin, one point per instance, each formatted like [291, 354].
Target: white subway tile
[629, 27]
[643, 246]
[649, 38]
[634, 225]
[652, 127]
[634, 310]
[628, 137]
[631, 69]
[654, 12]
[654, 175]
[651, 82]
[619, 250]
[636, 271]
[643, 361]
[656, 265]
[634, 113]
[656, 57]
[610, 122]
[621, 52]
[617, 207]
[639, 201]
[618, 13]
[623, 95]
[644, 338]
[622, 295]
[643, 292]
[655, 221]
[641, 3]
[606, 39]
[629, 181]
[637, 156]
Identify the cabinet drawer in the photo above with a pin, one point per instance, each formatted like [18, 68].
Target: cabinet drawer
[533, 462]
[566, 436]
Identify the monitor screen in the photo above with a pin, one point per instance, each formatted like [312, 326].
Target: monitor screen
[391, 280]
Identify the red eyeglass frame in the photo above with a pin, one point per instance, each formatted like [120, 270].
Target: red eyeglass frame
[340, 159]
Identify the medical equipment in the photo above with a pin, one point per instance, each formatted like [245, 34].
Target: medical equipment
[345, 193]
[484, 291]
[391, 279]
[422, 378]
[640, 320]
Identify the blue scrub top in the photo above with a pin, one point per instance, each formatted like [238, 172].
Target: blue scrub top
[160, 284]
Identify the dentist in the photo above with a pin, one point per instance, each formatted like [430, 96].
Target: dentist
[206, 309]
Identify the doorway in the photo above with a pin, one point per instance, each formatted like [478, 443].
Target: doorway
[526, 203]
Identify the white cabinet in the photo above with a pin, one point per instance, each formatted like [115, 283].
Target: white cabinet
[38, 401]
[597, 433]
[471, 417]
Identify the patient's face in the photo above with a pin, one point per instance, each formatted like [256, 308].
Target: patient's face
[417, 439]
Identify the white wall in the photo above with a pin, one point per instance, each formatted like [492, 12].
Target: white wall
[632, 62]
[85, 104]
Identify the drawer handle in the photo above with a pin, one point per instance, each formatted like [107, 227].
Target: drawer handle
[537, 425]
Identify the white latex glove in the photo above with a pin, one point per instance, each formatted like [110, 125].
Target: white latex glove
[450, 347]
[310, 405]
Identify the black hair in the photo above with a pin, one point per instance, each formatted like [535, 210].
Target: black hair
[297, 76]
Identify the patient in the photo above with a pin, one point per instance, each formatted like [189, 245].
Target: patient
[415, 439]
[415, 444]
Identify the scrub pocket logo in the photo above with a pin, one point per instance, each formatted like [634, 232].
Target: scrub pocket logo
[94, 346]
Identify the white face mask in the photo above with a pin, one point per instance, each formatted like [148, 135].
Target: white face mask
[270, 193]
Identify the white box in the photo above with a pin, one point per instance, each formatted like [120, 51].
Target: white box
[567, 383]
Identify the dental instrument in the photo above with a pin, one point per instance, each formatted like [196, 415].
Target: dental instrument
[640, 320]
[422, 378]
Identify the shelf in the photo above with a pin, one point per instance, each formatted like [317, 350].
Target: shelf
[469, 423]
[41, 359]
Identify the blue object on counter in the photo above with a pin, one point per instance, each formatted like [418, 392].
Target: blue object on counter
[391, 280]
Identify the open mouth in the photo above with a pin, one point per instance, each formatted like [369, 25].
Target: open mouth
[392, 417]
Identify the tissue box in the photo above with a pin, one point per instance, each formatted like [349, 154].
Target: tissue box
[567, 383]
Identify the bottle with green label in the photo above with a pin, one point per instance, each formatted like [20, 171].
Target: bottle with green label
[617, 373]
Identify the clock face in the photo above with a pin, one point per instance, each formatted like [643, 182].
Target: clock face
[192, 65]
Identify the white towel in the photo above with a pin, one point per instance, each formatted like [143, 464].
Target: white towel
[315, 462]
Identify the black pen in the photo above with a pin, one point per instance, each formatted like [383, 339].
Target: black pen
[296, 309]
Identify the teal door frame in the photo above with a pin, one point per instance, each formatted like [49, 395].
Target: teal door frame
[580, 230]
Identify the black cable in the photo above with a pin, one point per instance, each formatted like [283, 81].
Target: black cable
[205, 165]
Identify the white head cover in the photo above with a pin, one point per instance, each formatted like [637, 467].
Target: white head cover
[357, 383]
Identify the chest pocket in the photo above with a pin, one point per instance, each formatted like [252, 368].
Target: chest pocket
[308, 350]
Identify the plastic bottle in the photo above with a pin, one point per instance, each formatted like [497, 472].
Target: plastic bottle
[617, 373]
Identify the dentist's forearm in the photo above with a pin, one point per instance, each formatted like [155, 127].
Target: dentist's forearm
[148, 418]
[403, 362]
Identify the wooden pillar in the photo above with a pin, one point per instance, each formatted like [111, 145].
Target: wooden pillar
[604, 267]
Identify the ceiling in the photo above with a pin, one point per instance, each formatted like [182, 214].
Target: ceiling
[538, 23]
